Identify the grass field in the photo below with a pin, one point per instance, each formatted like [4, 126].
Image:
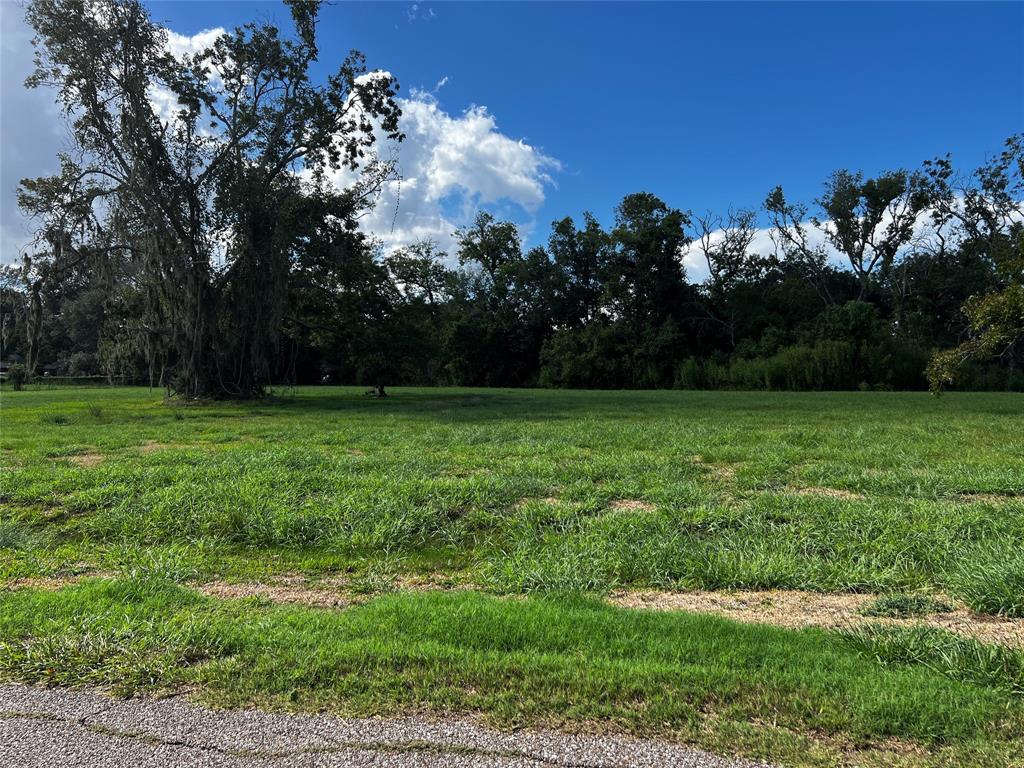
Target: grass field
[428, 512]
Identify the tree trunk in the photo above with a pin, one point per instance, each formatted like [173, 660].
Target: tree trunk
[34, 324]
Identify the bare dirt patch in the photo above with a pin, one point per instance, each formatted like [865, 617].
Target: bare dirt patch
[549, 500]
[277, 592]
[90, 459]
[333, 592]
[831, 493]
[722, 471]
[632, 505]
[989, 498]
[796, 610]
[49, 583]
[428, 582]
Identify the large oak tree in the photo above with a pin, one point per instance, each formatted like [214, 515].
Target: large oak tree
[201, 170]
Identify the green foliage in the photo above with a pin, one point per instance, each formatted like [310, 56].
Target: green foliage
[520, 490]
[822, 365]
[870, 221]
[304, 296]
[557, 495]
[15, 535]
[988, 211]
[613, 309]
[997, 324]
[231, 155]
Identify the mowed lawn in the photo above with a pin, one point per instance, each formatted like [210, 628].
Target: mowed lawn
[434, 511]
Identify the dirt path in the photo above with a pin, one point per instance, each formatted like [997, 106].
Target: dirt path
[42, 728]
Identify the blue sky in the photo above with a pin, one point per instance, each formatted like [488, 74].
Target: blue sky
[705, 105]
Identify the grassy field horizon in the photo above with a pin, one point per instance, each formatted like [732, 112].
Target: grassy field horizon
[433, 512]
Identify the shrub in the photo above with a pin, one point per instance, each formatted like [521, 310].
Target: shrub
[82, 364]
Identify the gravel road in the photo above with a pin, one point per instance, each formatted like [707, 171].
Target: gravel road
[46, 728]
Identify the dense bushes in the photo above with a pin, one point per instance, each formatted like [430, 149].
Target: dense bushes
[846, 347]
[827, 364]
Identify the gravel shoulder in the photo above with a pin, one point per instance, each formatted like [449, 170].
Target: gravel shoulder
[44, 727]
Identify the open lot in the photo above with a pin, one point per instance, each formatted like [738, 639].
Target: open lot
[496, 553]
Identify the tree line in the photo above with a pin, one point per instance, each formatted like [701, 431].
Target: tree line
[200, 247]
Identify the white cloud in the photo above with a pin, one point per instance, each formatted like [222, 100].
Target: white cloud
[697, 267]
[165, 103]
[182, 45]
[31, 125]
[450, 167]
[763, 245]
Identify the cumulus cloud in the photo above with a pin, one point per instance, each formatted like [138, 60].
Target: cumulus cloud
[182, 45]
[165, 103]
[450, 167]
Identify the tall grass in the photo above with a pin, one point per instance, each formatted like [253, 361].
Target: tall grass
[851, 492]
[959, 658]
[990, 579]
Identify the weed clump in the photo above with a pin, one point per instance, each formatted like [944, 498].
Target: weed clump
[14, 535]
[991, 581]
[958, 658]
[905, 606]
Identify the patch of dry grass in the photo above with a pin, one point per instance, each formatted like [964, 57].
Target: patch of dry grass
[796, 609]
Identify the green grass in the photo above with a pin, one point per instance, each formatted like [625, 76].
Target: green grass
[526, 492]
[552, 661]
[956, 657]
[518, 486]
